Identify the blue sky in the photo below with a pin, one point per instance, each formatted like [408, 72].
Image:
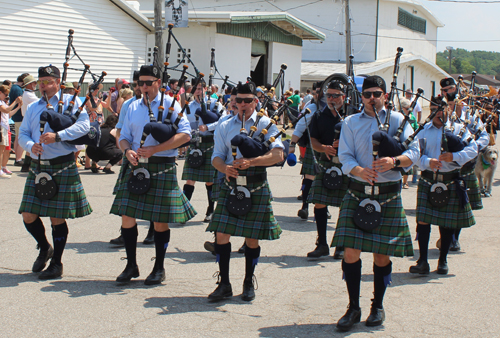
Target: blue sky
[467, 22]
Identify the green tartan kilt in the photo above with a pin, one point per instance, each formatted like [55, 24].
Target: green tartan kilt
[473, 189]
[70, 200]
[308, 163]
[218, 180]
[391, 238]
[321, 195]
[205, 173]
[259, 223]
[164, 202]
[450, 216]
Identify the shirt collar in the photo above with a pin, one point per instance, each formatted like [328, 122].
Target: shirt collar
[253, 117]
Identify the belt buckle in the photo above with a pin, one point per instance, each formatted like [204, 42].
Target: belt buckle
[368, 190]
[45, 162]
[440, 178]
[143, 160]
[241, 180]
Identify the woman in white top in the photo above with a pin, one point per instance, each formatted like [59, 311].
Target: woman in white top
[6, 112]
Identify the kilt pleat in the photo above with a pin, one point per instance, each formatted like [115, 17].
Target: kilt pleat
[321, 195]
[164, 202]
[123, 167]
[391, 238]
[259, 223]
[218, 181]
[450, 216]
[308, 163]
[473, 189]
[69, 202]
[205, 173]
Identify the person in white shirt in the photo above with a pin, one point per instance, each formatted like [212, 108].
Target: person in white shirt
[29, 96]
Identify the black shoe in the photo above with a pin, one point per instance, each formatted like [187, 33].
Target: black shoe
[127, 274]
[351, 317]
[303, 213]
[223, 291]
[339, 253]
[299, 198]
[118, 241]
[210, 247]
[208, 218]
[19, 163]
[422, 268]
[328, 215]
[249, 290]
[42, 259]
[442, 268]
[242, 249]
[376, 317]
[155, 277]
[25, 169]
[54, 270]
[455, 246]
[149, 239]
[108, 171]
[321, 250]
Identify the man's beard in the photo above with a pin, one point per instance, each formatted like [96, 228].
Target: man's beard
[451, 96]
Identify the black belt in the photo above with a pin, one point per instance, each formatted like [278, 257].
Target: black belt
[379, 189]
[207, 139]
[442, 177]
[333, 159]
[56, 160]
[469, 166]
[244, 180]
[161, 160]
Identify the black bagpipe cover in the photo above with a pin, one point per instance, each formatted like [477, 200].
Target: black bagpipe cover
[56, 121]
[92, 138]
[249, 147]
[388, 146]
[207, 116]
[161, 132]
[455, 143]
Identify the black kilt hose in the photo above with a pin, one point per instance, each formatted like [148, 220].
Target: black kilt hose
[321, 195]
[164, 202]
[70, 200]
[259, 223]
[450, 216]
[473, 189]
[391, 238]
[204, 173]
[308, 162]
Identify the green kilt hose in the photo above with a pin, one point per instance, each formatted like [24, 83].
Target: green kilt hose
[308, 163]
[164, 202]
[204, 173]
[321, 195]
[450, 216]
[391, 238]
[259, 223]
[473, 189]
[70, 200]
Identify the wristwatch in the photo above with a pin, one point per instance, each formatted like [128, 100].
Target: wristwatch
[397, 162]
[58, 138]
[292, 144]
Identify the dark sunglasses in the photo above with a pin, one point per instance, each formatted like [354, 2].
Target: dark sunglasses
[246, 100]
[332, 96]
[148, 83]
[376, 94]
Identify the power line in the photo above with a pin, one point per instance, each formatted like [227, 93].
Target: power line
[469, 2]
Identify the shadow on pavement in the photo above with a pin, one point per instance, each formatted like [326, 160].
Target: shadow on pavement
[93, 287]
[92, 247]
[313, 330]
[287, 261]
[288, 200]
[8, 280]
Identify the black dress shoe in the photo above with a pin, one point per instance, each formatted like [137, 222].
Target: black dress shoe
[155, 277]
[118, 241]
[207, 218]
[25, 168]
[248, 290]
[223, 291]
[42, 259]
[339, 253]
[442, 267]
[150, 238]
[376, 317]
[19, 163]
[422, 268]
[328, 215]
[54, 270]
[321, 250]
[299, 198]
[210, 247]
[303, 213]
[351, 317]
[455, 246]
[242, 249]
[127, 274]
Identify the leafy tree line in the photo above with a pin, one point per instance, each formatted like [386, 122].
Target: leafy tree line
[465, 62]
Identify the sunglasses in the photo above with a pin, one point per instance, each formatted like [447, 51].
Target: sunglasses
[246, 100]
[368, 95]
[332, 96]
[45, 82]
[147, 83]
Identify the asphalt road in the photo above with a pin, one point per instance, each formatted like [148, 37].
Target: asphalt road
[295, 298]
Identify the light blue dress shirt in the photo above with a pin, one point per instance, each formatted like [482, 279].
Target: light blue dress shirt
[138, 117]
[29, 132]
[231, 127]
[303, 123]
[193, 106]
[355, 145]
[433, 137]
[124, 112]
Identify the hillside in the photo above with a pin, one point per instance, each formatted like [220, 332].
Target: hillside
[465, 62]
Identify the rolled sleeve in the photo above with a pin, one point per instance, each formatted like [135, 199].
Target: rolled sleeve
[25, 140]
[220, 149]
[346, 153]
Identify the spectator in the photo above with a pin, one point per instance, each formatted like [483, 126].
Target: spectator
[108, 147]
[405, 109]
[95, 113]
[15, 92]
[6, 112]
[69, 88]
[187, 90]
[173, 84]
[227, 94]
[215, 90]
[29, 96]
[417, 111]
[307, 98]
[125, 94]
[8, 83]
[294, 107]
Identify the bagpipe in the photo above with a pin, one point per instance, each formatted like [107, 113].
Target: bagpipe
[61, 120]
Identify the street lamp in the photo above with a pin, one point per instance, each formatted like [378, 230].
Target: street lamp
[449, 48]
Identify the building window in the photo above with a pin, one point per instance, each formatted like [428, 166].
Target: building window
[411, 21]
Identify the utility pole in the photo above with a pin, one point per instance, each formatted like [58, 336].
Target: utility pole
[347, 35]
[450, 49]
[159, 30]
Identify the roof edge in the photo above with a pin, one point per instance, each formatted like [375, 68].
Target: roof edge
[134, 14]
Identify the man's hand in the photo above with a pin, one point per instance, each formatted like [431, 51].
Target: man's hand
[146, 152]
[383, 164]
[132, 157]
[203, 127]
[48, 138]
[19, 100]
[368, 174]
[37, 149]
[241, 163]
[330, 150]
[447, 157]
[231, 172]
[435, 165]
